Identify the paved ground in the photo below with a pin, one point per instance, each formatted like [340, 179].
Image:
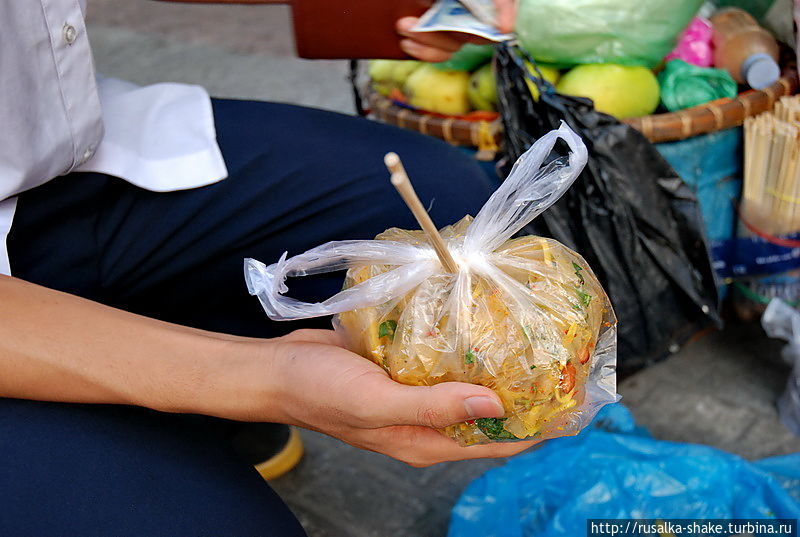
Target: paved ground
[719, 390]
[234, 51]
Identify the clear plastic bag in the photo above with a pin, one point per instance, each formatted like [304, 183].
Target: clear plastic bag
[525, 317]
[782, 321]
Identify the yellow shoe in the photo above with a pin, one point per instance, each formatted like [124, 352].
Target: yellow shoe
[273, 449]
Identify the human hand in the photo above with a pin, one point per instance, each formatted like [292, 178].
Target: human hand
[323, 387]
[439, 46]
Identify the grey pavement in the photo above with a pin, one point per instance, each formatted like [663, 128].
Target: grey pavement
[241, 52]
[719, 390]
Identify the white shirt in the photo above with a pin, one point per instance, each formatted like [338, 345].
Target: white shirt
[58, 116]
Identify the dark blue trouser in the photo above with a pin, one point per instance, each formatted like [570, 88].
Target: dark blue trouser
[297, 177]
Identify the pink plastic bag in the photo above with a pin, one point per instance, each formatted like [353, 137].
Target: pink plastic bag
[694, 45]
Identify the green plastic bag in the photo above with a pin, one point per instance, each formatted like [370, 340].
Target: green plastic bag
[684, 85]
[468, 58]
[627, 32]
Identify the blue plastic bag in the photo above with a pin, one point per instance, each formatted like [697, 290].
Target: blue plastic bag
[614, 469]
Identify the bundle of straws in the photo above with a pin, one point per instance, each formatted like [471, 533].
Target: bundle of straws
[771, 192]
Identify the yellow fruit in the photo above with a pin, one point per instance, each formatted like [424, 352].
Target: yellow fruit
[482, 91]
[383, 88]
[389, 74]
[402, 70]
[617, 90]
[381, 70]
[444, 92]
[551, 74]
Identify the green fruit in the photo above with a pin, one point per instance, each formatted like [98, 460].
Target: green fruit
[381, 70]
[444, 92]
[402, 70]
[617, 90]
[388, 74]
[382, 88]
[482, 90]
[551, 74]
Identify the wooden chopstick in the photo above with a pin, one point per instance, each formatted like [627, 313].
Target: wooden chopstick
[403, 185]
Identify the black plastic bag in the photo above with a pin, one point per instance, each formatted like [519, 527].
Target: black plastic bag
[629, 214]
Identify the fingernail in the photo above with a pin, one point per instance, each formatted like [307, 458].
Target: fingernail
[483, 407]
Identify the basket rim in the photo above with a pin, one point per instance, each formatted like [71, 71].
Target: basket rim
[664, 127]
[454, 130]
[724, 113]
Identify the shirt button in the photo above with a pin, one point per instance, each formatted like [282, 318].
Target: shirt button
[87, 154]
[70, 34]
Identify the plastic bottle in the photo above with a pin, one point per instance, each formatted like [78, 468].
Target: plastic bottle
[745, 49]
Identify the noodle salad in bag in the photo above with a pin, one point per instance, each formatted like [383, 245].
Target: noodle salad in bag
[525, 317]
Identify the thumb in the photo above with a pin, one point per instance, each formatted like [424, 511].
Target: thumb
[441, 405]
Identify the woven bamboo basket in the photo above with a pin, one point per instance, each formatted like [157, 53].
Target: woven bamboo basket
[710, 117]
[454, 130]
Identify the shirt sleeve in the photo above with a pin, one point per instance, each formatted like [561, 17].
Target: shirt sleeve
[159, 137]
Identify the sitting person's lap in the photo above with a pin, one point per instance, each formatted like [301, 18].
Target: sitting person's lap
[98, 470]
[297, 178]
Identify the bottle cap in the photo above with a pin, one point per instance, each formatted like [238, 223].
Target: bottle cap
[760, 71]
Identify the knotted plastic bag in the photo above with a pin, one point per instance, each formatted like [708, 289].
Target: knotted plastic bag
[684, 85]
[525, 317]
